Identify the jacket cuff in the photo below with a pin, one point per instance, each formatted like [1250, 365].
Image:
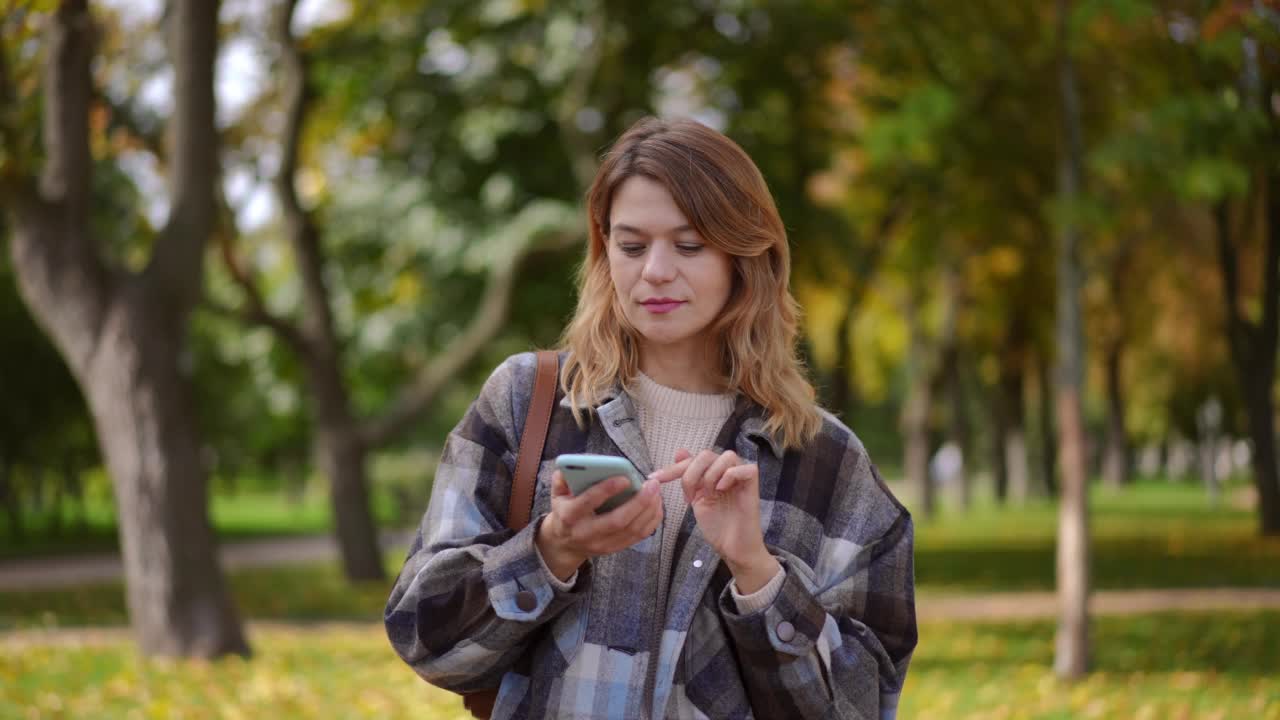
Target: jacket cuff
[790, 625]
[519, 585]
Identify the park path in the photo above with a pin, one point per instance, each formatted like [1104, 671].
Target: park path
[990, 607]
[1044, 605]
[53, 573]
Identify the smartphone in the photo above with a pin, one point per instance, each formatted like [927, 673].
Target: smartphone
[582, 471]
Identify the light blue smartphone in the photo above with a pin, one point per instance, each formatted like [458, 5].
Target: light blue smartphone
[582, 471]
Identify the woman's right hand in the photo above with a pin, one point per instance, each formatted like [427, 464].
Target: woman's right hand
[573, 532]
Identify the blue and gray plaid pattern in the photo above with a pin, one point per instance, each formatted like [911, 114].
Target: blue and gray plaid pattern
[473, 609]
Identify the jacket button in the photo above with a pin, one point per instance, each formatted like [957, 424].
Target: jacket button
[786, 631]
[526, 600]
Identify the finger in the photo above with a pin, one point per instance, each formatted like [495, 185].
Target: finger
[559, 487]
[682, 455]
[584, 506]
[671, 472]
[693, 473]
[728, 459]
[655, 522]
[621, 517]
[648, 524]
[736, 476]
[604, 540]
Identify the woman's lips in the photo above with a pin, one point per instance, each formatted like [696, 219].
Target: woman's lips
[660, 308]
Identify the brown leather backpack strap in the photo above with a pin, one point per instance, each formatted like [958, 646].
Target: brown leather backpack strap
[533, 439]
[480, 704]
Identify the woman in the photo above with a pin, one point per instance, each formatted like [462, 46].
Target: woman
[764, 570]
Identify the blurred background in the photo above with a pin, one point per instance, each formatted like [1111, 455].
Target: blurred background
[259, 257]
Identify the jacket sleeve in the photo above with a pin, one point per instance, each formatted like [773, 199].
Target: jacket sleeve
[472, 593]
[834, 646]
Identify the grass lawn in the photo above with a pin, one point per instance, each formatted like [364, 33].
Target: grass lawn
[245, 515]
[304, 592]
[1151, 535]
[1157, 666]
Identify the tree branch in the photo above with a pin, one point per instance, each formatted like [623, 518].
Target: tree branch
[295, 101]
[485, 325]
[125, 116]
[255, 311]
[60, 275]
[174, 274]
[68, 164]
[304, 237]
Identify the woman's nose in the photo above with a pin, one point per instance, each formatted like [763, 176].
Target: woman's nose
[659, 266]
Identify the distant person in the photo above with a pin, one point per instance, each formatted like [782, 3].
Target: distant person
[764, 570]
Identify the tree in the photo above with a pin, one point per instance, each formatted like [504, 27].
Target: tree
[1071, 656]
[342, 439]
[121, 332]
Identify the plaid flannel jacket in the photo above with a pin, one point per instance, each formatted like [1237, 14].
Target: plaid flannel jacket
[473, 608]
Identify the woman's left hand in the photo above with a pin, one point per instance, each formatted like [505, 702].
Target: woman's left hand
[724, 494]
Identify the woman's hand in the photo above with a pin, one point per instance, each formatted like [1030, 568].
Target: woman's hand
[573, 532]
[724, 494]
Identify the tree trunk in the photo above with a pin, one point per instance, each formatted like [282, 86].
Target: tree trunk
[1208, 442]
[338, 439]
[1253, 349]
[1016, 460]
[342, 459]
[1116, 460]
[842, 382]
[123, 334]
[961, 431]
[11, 499]
[1071, 656]
[55, 509]
[915, 418]
[1262, 430]
[917, 454]
[1048, 444]
[178, 601]
[999, 460]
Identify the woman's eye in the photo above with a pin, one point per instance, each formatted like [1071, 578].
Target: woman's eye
[631, 250]
[689, 249]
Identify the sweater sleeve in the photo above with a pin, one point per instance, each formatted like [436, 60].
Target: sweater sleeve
[760, 599]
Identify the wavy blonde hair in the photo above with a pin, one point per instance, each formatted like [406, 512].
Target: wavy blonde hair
[723, 195]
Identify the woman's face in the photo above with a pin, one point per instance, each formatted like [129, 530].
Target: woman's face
[670, 282]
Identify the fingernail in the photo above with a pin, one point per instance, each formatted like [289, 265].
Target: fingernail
[651, 487]
[653, 475]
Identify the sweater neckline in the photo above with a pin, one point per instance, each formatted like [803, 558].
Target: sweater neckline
[664, 400]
